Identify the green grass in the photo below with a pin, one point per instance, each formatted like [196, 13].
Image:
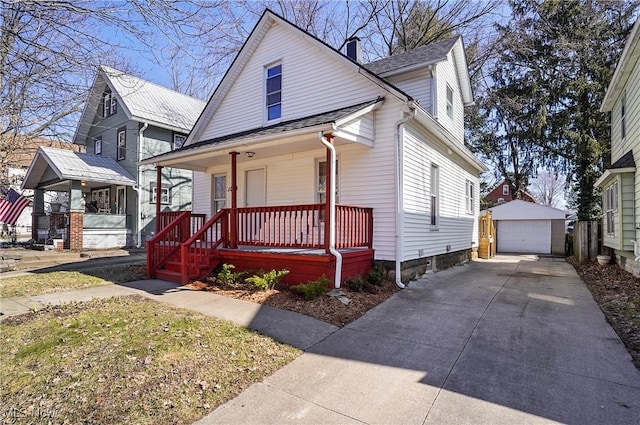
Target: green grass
[45, 283]
[128, 360]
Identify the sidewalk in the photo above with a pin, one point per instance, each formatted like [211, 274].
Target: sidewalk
[288, 327]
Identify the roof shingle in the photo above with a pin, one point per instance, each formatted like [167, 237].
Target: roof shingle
[425, 55]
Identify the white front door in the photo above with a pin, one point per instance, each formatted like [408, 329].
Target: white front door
[255, 188]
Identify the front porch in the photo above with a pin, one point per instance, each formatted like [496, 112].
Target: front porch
[293, 237]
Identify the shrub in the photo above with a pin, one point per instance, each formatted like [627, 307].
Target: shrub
[227, 276]
[314, 288]
[355, 283]
[376, 275]
[266, 280]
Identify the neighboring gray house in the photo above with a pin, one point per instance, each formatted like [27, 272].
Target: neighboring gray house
[130, 119]
[125, 119]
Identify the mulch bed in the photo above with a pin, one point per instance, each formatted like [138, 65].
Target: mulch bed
[617, 292]
[324, 308]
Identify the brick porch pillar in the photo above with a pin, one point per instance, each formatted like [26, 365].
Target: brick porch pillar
[76, 216]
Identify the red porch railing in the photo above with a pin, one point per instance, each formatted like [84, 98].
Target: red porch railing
[198, 252]
[166, 217]
[354, 227]
[167, 241]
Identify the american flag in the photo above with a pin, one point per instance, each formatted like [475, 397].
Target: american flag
[11, 206]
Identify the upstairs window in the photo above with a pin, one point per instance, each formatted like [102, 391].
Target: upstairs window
[505, 189]
[122, 143]
[109, 104]
[274, 92]
[178, 140]
[469, 197]
[449, 102]
[623, 107]
[97, 145]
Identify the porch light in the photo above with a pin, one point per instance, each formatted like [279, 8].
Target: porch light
[250, 154]
[83, 183]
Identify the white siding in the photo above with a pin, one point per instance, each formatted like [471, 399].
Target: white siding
[312, 82]
[456, 228]
[447, 74]
[417, 85]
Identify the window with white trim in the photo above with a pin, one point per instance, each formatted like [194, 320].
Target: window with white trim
[109, 104]
[321, 186]
[435, 191]
[97, 145]
[122, 144]
[505, 189]
[165, 193]
[274, 92]
[611, 207]
[178, 140]
[100, 198]
[469, 197]
[219, 192]
[449, 101]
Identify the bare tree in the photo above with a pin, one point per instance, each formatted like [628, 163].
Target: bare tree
[548, 188]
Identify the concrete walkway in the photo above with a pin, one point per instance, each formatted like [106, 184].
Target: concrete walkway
[514, 340]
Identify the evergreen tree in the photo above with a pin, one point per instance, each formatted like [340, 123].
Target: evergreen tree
[541, 108]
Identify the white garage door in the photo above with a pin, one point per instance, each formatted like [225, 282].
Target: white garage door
[530, 236]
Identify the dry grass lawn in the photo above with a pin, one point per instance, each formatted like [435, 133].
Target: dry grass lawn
[127, 360]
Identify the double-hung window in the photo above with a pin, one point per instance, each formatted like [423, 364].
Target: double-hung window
[611, 207]
[165, 193]
[449, 102]
[505, 189]
[274, 92]
[97, 145]
[469, 197]
[435, 189]
[109, 104]
[219, 192]
[122, 143]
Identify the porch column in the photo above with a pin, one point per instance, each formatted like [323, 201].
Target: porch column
[76, 216]
[233, 220]
[158, 196]
[38, 211]
[328, 196]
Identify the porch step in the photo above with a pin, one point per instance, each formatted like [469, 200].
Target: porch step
[170, 275]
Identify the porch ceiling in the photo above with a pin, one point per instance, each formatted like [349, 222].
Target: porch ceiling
[293, 136]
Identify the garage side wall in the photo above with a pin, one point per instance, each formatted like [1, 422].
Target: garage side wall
[557, 237]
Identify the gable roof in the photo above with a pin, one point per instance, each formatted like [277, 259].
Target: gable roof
[628, 59]
[250, 45]
[523, 210]
[141, 101]
[69, 165]
[423, 57]
[626, 161]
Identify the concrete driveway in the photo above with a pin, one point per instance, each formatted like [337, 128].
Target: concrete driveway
[513, 340]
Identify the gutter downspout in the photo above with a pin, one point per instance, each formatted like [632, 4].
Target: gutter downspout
[332, 211]
[399, 158]
[137, 188]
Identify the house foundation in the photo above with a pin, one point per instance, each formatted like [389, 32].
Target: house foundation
[414, 269]
[626, 261]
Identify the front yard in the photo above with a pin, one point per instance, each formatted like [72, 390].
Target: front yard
[127, 360]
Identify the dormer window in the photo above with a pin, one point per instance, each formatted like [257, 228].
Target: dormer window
[505, 189]
[449, 102]
[109, 104]
[274, 92]
[178, 140]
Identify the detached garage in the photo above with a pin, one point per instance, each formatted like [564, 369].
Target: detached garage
[529, 228]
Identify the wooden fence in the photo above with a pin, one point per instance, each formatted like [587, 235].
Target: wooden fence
[587, 240]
